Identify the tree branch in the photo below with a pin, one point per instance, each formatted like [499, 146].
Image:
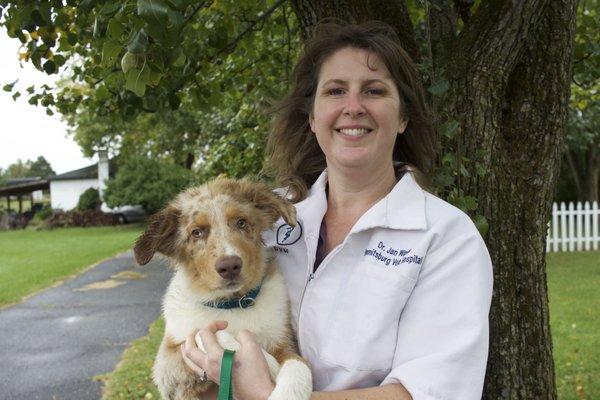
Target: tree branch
[229, 47]
[497, 34]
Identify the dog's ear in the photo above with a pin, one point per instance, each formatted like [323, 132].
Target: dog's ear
[269, 202]
[159, 236]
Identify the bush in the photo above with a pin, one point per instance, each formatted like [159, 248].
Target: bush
[44, 213]
[89, 200]
[40, 216]
[146, 182]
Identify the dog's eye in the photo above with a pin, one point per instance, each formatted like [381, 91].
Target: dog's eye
[241, 223]
[198, 233]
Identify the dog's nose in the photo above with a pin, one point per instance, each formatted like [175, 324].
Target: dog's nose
[229, 267]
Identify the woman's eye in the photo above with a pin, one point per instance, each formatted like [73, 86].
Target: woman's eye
[374, 92]
[241, 223]
[335, 91]
[198, 233]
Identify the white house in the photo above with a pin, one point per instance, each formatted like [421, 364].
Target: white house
[65, 189]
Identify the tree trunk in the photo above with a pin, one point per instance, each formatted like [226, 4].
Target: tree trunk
[509, 71]
[593, 172]
[573, 167]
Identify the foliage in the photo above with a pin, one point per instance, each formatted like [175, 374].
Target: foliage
[18, 169]
[150, 183]
[21, 169]
[41, 167]
[583, 125]
[162, 78]
[89, 200]
[34, 260]
[40, 217]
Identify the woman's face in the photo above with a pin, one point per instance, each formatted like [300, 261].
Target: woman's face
[356, 112]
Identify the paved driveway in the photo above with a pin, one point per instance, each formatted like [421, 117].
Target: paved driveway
[52, 344]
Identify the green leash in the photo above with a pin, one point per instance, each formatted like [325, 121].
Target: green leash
[225, 389]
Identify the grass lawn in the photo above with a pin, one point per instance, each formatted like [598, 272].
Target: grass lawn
[574, 292]
[573, 282]
[32, 260]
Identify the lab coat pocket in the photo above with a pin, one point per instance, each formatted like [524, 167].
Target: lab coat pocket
[364, 320]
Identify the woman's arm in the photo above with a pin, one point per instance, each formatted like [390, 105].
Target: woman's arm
[252, 373]
[387, 392]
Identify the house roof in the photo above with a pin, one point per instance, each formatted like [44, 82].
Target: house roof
[15, 187]
[89, 172]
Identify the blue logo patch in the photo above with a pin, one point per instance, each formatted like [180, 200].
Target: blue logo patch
[287, 234]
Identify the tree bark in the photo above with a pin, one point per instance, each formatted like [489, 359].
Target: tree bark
[509, 70]
[395, 13]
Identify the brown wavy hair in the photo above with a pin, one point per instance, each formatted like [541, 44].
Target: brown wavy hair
[293, 154]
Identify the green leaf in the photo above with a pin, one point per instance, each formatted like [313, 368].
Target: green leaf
[87, 5]
[463, 171]
[439, 88]
[49, 112]
[9, 87]
[110, 7]
[16, 95]
[136, 80]
[449, 129]
[470, 202]
[115, 28]
[99, 28]
[179, 4]
[50, 67]
[110, 52]
[481, 171]
[179, 57]
[138, 43]
[129, 61]
[59, 60]
[153, 11]
[482, 225]
[102, 93]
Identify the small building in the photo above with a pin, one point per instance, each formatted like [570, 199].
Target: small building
[23, 188]
[65, 189]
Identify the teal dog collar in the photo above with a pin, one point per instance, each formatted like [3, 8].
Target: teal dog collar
[245, 301]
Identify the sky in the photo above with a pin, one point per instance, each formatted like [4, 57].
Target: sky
[26, 131]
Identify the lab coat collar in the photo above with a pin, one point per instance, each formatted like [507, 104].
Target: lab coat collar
[402, 208]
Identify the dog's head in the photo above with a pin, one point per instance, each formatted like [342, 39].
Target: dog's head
[214, 231]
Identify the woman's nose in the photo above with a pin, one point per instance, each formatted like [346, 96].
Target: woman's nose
[354, 106]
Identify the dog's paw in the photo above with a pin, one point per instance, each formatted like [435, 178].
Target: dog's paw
[225, 339]
[273, 364]
[294, 382]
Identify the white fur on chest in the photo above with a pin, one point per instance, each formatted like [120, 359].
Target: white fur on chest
[267, 318]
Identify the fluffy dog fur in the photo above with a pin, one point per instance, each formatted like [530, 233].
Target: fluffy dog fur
[197, 231]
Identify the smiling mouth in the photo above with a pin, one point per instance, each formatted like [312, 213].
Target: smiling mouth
[354, 132]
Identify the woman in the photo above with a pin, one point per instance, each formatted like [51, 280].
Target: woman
[390, 287]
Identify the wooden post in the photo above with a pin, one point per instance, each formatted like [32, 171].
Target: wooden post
[20, 204]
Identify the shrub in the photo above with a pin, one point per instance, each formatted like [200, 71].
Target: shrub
[89, 200]
[44, 213]
[146, 182]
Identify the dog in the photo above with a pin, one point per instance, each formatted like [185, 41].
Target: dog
[212, 235]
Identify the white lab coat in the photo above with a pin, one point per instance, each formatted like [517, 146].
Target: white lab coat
[405, 298]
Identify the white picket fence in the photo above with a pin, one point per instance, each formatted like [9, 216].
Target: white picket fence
[574, 228]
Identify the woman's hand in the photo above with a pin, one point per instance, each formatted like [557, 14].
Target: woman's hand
[251, 378]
